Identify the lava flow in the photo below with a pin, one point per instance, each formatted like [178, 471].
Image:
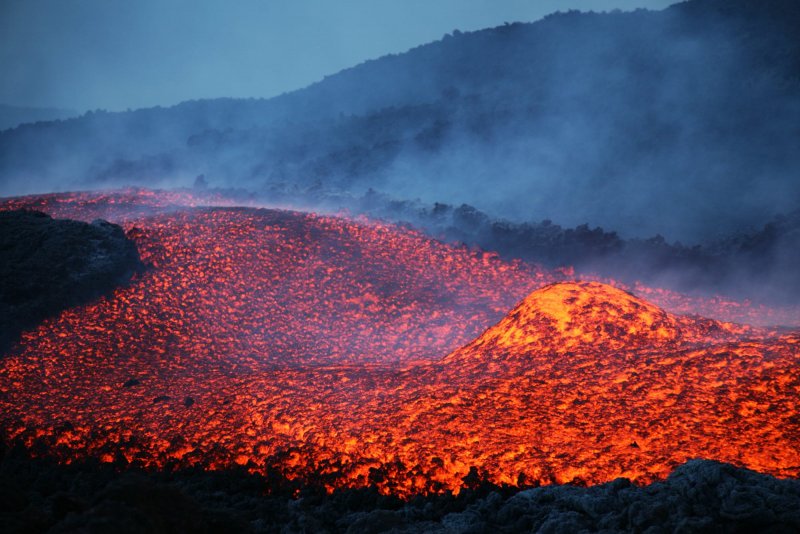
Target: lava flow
[328, 350]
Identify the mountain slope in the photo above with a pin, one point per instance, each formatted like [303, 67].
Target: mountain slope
[643, 122]
[12, 116]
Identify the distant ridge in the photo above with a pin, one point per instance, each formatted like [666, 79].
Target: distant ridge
[642, 122]
[13, 116]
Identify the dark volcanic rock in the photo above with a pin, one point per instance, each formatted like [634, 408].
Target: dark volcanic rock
[47, 265]
[37, 495]
[698, 496]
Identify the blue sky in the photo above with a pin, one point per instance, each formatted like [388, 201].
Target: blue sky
[118, 54]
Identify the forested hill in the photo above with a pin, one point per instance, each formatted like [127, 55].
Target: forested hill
[683, 122]
[12, 116]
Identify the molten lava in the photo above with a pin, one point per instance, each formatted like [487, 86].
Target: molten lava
[329, 350]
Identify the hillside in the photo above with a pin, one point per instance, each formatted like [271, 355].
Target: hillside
[642, 122]
[276, 289]
[13, 116]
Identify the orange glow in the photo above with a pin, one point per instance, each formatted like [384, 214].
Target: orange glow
[329, 349]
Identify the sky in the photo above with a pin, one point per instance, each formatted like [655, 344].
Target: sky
[124, 54]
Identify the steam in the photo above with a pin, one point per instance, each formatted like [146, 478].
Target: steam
[681, 123]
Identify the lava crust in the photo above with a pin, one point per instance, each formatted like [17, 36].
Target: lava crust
[318, 347]
[47, 265]
[591, 316]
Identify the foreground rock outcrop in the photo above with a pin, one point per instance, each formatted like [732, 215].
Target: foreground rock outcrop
[47, 265]
[699, 496]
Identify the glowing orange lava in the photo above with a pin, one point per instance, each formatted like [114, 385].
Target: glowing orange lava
[329, 350]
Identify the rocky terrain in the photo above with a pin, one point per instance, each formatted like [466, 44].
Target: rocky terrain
[47, 265]
[700, 496]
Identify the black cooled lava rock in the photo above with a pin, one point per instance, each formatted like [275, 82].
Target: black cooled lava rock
[47, 265]
[40, 495]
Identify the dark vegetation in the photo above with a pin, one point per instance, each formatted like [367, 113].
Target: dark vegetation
[683, 123]
[760, 264]
[12, 116]
[48, 265]
[37, 495]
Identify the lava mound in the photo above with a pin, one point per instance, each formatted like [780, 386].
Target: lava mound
[575, 316]
[583, 382]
